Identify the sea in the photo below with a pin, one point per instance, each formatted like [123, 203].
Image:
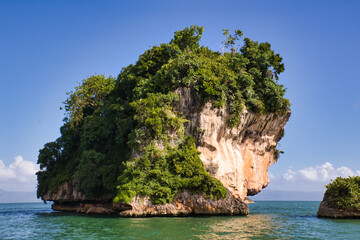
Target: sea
[267, 220]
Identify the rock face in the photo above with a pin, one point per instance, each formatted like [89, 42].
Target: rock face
[67, 192]
[238, 157]
[67, 199]
[186, 204]
[329, 212]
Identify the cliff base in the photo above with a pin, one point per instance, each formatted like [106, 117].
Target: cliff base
[184, 204]
[329, 212]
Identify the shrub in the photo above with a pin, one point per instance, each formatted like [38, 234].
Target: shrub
[162, 174]
[344, 193]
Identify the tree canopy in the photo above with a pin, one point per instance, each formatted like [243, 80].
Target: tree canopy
[87, 97]
[108, 119]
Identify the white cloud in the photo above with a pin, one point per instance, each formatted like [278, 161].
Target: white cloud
[345, 171]
[322, 173]
[289, 175]
[19, 175]
[309, 174]
[312, 178]
[271, 176]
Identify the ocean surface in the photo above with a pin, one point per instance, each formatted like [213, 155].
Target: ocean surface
[267, 220]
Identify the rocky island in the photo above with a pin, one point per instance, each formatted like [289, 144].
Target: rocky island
[341, 199]
[185, 130]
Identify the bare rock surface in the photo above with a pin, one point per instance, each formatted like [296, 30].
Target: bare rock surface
[66, 191]
[239, 157]
[186, 204]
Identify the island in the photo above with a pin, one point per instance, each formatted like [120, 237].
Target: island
[184, 131]
[341, 199]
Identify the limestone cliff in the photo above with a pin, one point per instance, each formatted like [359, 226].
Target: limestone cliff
[239, 157]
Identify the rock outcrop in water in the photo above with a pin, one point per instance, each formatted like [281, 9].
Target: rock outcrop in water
[341, 199]
[239, 157]
[185, 130]
[326, 211]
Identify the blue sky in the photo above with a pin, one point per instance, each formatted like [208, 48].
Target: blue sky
[46, 47]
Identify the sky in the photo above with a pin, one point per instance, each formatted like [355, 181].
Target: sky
[47, 47]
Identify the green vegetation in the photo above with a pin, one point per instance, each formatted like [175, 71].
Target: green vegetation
[344, 193]
[161, 173]
[109, 120]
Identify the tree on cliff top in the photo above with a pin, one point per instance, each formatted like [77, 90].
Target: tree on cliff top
[107, 119]
[87, 97]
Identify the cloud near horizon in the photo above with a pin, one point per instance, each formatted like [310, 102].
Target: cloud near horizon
[19, 175]
[309, 179]
[322, 173]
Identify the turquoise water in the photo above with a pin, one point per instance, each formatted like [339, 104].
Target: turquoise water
[267, 220]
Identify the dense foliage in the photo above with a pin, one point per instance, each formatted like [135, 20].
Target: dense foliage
[161, 173]
[122, 137]
[344, 193]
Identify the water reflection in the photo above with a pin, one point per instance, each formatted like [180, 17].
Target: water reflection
[249, 227]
